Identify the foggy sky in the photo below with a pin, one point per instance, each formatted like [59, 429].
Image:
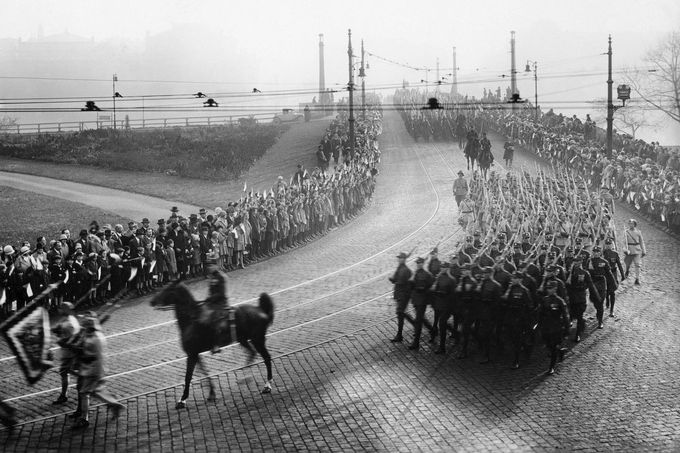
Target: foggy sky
[274, 44]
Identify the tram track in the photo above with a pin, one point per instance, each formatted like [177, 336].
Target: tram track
[335, 312]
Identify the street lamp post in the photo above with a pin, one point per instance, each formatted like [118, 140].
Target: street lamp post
[115, 79]
[528, 69]
[351, 92]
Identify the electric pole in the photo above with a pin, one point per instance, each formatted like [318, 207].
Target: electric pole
[513, 70]
[350, 87]
[610, 106]
[362, 74]
[115, 79]
[322, 73]
[454, 85]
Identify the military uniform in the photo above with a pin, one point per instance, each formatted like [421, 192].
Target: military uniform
[554, 321]
[614, 261]
[420, 297]
[578, 282]
[490, 292]
[402, 293]
[603, 278]
[443, 303]
[518, 306]
[466, 297]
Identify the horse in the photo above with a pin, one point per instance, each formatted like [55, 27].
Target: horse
[471, 151]
[485, 160]
[197, 334]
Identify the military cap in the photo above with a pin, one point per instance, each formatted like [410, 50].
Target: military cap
[460, 172]
[578, 240]
[578, 257]
[569, 248]
[402, 255]
[161, 221]
[608, 242]
[469, 238]
[551, 268]
[551, 255]
[544, 246]
[501, 236]
[551, 284]
[526, 235]
[517, 245]
[597, 248]
[477, 233]
[201, 211]
[420, 260]
[434, 250]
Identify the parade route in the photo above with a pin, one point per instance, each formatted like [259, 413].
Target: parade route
[339, 384]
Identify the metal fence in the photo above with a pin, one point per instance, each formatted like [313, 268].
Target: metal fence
[106, 122]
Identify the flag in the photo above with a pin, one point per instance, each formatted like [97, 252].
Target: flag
[66, 278]
[133, 274]
[29, 291]
[245, 186]
[153, 264]
[3, 297]
[28, 335]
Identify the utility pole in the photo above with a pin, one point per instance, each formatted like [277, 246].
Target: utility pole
[610, 105]
[513, 70]
[115, 79]
[322, 74]
[362, 74]
[454, 85]
[350, 87]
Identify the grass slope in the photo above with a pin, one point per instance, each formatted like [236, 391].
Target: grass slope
[27, 215]
[298, 145]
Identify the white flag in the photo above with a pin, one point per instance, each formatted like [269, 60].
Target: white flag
[29, 290]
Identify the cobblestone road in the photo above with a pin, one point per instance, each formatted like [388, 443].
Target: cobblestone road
[341, 386]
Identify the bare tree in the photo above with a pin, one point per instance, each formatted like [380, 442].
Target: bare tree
[629, 119]
[659, 85]
[7, 123]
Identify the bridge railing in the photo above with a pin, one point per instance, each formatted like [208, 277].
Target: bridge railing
[104, 122]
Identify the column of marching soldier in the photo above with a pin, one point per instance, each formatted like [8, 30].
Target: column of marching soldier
[536, 249]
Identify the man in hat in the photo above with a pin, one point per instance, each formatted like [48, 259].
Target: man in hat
[466, 298]
[490, 292]
[518, 307]
[443, 301]
[67, 331]
[635, 249]
[578, 282]
[92, 370]
[553, 317]
[420, 297]
[603, 279]
[402, 293]
[467, 212]
[612, 257]
[202, 215]
[460, 188]
[216, 304]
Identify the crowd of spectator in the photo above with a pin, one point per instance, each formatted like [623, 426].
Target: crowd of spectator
[109, 261]
[644, 175]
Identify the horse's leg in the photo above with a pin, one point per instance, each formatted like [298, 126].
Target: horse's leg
[251, 352]
[191, 364]
[204, 370]
[260, 347]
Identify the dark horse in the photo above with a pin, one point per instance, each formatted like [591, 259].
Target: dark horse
[471, 150]
[197, 333]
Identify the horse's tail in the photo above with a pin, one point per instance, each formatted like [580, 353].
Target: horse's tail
[267, 306]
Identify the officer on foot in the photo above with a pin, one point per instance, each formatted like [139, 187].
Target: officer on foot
[602, 279]
[578, 282]
[612, 257]
[402, 293]
[635, 249]
[554, 321]
[420, 296]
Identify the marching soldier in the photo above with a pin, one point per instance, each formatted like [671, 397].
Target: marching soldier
[402, 293]
[460, 188]
[612, 257]
[578, 282]
[602, 279]
[420, 295]
[518, 308]
[490, 292]
[444, 303]
[554, 322]
[466, 297]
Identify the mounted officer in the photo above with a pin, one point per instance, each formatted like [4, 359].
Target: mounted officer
[216, 304]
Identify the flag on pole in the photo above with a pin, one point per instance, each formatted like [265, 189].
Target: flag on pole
[245, 186]
[67, 277]
[133, 274]
[29, 291]
[28, 335]
[3, 297]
